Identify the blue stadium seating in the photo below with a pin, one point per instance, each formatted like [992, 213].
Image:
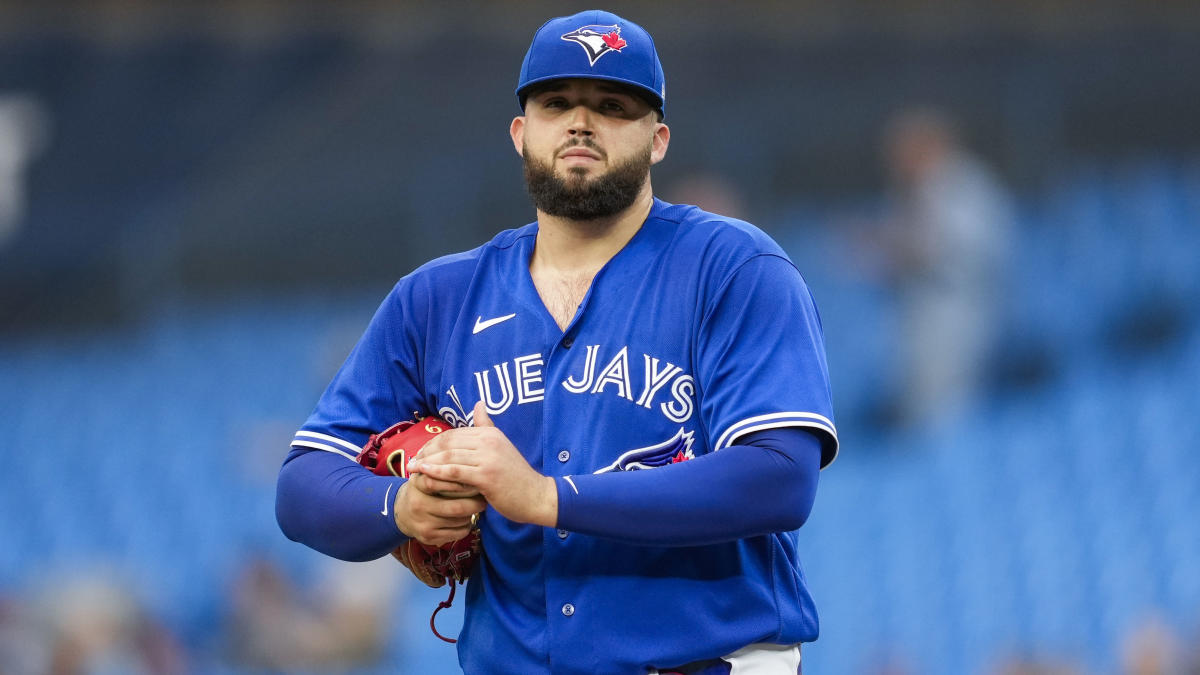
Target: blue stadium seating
[1048, 520]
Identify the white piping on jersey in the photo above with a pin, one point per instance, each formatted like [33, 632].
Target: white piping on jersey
[322, 446]
[347, 449]
[773, 420]
[332, 439]
[776, 421]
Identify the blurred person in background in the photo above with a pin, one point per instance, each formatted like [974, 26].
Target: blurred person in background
[1037, 666]
[24, 647]
[337, 625]
[24, 133]
[96, 626]
[1152, 647]
[711, 191]
[944, 249]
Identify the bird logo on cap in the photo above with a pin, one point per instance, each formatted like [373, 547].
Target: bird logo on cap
[597, 40]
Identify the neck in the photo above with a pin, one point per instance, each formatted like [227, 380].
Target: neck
[564, 244]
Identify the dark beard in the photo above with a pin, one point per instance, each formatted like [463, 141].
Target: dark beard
[580, 199]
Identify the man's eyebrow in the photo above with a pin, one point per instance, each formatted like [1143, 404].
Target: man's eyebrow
[548, 87]
[602, 86]
[612, 88]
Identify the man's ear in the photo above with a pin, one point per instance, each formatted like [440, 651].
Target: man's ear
[659, 143]
[517, 131]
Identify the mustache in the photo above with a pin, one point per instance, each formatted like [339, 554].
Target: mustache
[585, 142]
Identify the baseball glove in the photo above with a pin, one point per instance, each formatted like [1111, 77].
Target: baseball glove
[388, 453]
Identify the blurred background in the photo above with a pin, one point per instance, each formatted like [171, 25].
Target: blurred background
[995, 204]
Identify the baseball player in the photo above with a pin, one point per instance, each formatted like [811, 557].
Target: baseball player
[639, 392]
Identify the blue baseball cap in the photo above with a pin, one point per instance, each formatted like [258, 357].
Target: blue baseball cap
[595, 45]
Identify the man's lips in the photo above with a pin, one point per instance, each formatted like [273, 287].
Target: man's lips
[580, 152]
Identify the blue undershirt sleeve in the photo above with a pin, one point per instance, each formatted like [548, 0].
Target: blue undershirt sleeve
[766, 483]
[332, 504]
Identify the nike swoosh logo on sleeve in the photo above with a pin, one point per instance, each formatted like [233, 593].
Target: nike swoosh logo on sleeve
[386, 501]
[481, 325]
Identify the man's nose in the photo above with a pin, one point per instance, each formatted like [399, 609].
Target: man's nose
[580, 121]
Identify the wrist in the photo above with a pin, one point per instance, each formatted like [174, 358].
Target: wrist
[400, 511]
[549, 510]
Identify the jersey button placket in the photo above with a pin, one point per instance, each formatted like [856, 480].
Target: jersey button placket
[560, 442]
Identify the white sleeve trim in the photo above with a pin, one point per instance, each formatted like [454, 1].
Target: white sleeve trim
[776, 421]
[327, 443]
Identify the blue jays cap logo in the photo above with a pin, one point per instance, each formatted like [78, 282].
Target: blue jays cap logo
[677, 449]
[597, 40]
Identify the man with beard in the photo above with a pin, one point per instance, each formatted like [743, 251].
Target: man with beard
[640, 398]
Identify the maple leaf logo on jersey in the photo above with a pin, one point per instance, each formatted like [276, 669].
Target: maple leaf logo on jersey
[597, 40]
[677, 449]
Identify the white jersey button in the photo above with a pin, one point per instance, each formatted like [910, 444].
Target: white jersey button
[568, 609]
[562, 534]
[564, 455]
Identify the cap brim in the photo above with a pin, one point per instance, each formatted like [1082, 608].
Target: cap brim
[646, 93]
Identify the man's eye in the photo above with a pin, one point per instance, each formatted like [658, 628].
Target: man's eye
[612, 106]
[554, 103]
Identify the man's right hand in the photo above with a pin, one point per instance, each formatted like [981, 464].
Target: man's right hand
[433, 519]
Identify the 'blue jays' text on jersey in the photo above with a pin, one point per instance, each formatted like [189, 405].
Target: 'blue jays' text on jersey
[699, 331]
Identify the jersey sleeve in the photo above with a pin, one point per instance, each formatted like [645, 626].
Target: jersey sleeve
[761, 357]
[691, 504]
[379, 383]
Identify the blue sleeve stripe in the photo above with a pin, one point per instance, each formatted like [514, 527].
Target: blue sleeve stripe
[340, 447]
[775, 421]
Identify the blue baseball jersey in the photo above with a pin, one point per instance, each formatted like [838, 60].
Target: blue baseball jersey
[698, 332]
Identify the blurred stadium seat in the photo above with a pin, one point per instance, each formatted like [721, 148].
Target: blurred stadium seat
[1048, 519]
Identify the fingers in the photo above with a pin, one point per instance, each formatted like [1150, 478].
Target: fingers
[466, 439]
[454, 472]
[481, 417]
[435, 520]
[438, 530]
[467, 491]
[453, 510]
[442, 488]
[446, 473]
[436, 536]
[482, 435]
[443, 536]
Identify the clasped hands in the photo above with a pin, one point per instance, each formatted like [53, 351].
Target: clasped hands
[460, 472]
